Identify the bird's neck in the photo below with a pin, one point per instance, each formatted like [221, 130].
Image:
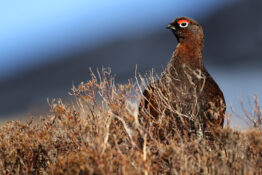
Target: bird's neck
[188, 52]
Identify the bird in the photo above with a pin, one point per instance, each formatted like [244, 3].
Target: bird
[185, 92]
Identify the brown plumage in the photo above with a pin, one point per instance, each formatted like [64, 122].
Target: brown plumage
[196, 100]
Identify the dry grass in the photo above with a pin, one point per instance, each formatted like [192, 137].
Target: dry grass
[100, 135]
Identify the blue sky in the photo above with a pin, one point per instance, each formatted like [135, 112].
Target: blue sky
[30, 30]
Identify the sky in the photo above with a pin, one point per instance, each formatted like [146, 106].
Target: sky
[33, 31]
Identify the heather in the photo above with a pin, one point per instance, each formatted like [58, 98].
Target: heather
[101, 133]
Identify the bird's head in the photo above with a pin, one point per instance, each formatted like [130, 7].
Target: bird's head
[186, 28]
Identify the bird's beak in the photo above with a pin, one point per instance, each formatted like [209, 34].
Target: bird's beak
[169, 26]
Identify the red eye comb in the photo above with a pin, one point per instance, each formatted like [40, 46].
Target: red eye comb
[183, 20]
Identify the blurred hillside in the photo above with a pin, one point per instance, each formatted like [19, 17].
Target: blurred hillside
[233, 52]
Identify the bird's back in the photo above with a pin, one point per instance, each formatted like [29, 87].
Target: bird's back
[188, 95]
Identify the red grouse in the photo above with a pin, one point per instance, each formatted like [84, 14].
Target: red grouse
[185, 91]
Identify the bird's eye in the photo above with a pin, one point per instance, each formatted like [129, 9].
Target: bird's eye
[183, 24]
